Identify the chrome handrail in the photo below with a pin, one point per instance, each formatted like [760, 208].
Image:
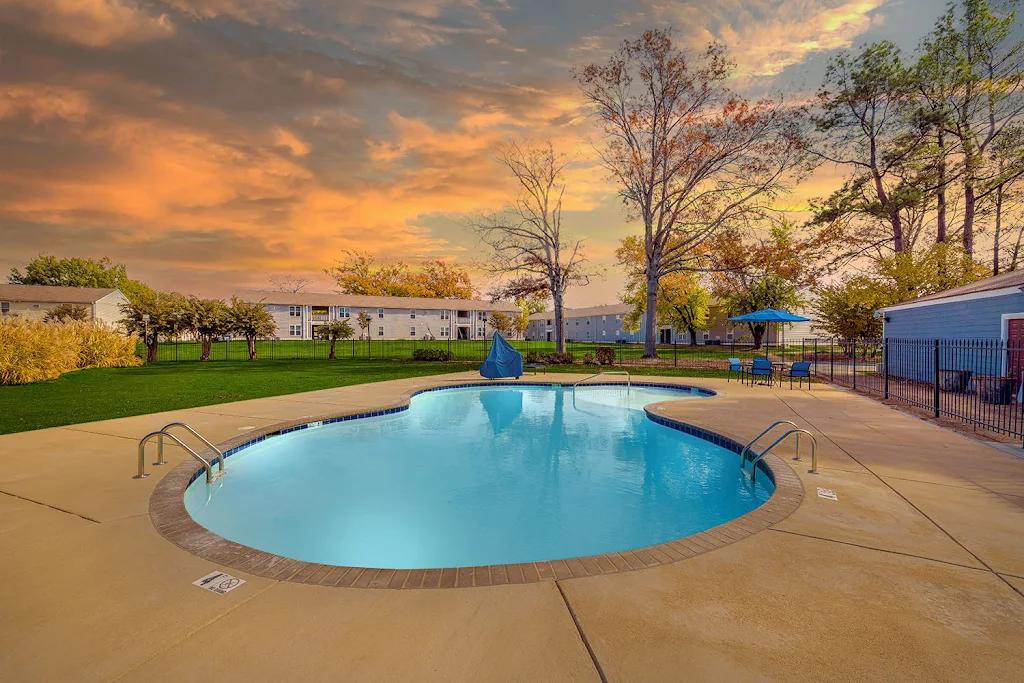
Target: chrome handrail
[629, 380]
[160, 444]
[743, 453]
[798, 432]
[161, 433]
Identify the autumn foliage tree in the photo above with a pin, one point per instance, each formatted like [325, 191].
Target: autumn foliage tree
[690, 156]
[333, 331]
[207, 319]
[360, 272]
[252, 320]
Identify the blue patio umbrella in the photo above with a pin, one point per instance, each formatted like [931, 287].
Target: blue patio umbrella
[769, 316]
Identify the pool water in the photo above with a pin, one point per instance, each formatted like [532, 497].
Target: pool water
[476, 476]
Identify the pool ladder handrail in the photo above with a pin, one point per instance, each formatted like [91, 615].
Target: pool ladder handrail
[798, 432]
[743, 453]
[161, 433]
[629, 379]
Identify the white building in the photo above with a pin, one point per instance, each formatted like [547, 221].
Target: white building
[34, 301]
[298, 314]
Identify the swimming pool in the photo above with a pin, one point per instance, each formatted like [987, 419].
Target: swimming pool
[479, 476]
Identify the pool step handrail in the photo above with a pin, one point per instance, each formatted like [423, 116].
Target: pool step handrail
[797, 432]
[629, 380]
[161, 433]
[773, 425]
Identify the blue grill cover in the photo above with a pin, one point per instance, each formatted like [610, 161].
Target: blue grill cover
[502, 361]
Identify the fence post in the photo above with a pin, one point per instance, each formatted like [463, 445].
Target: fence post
[935, 378]
[675, 360]
[855, 364]
[885, 365]
[815, 356]
[832, 360]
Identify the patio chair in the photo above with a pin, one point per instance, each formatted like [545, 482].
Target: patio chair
[761, 367]
[736, 365]
[800, 370]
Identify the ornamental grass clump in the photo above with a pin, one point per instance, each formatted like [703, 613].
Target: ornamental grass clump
[33, 350]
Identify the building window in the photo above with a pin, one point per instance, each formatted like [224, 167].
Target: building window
[728, 336]
[412, 314]
[380, 313]
[5, 308]
[295, 311]
[344, 312]
[295, 330]
[604, 318]
[479, 331]
[707, 335]
[446, 315]
[380, 331]
[412, 331]
[604, 333]
[444, 331]
[588, 334]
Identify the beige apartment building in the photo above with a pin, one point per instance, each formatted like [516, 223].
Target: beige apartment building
[298, 314]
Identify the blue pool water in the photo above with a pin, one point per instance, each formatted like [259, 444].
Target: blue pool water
[481, 475]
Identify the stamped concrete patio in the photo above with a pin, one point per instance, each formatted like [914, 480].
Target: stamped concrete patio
[916, 573]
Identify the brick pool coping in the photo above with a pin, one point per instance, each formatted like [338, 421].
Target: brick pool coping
[170, 518]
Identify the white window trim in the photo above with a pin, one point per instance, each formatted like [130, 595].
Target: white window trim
[380, 313]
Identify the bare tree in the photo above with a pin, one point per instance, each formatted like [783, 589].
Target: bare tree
[527, 238]
[691, 157]
[289, 283]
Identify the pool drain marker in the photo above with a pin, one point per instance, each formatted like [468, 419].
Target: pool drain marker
[218, 582]
[828, 494]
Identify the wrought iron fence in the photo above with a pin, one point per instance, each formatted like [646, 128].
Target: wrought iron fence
[975, 381]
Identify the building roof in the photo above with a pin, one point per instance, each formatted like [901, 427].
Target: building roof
[53, 295]
[369, 302]
[1012, 280]
[607, 309]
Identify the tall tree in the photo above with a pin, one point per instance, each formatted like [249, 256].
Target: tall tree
[155, 316]
[690, 156]
[526, 238]
[987, 94]
[862, 127]
[287, 282]
[333, 331]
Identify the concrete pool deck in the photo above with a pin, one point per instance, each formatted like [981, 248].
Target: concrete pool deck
[916, 573]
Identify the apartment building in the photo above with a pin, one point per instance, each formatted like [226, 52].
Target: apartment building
[299, 314]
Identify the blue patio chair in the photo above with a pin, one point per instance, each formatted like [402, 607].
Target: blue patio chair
[736, 365]
[761, 367]
[800, 370]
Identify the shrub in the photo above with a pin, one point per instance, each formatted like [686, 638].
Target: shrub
[33, 351]
[431, 354]
[588, 359]
[63, 313]
[556, 358]
[606, 355]
[532, 357]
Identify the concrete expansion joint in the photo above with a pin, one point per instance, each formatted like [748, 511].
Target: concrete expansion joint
[583, 636]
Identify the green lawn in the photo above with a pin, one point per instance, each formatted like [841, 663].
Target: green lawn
[105, 393]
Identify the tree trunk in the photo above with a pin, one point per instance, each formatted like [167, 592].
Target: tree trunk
[556, 296]
[151, 347]
[999, 226]
[757, 332]
[969, 208]
[330, 356]
[206, 342]
[252, 347]
[940, 234]
[651, 321]
[693, 335]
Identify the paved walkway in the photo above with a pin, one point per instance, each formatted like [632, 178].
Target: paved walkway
[916, 573]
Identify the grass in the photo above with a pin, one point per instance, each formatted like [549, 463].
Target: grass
[107, 393]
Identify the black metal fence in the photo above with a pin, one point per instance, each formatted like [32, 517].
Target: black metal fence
[703, 356]
[975, 381]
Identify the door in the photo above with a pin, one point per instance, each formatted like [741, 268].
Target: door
[1015, 348]
[549, 335]
[665, 336]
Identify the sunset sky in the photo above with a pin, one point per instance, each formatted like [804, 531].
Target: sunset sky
[211, 144]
